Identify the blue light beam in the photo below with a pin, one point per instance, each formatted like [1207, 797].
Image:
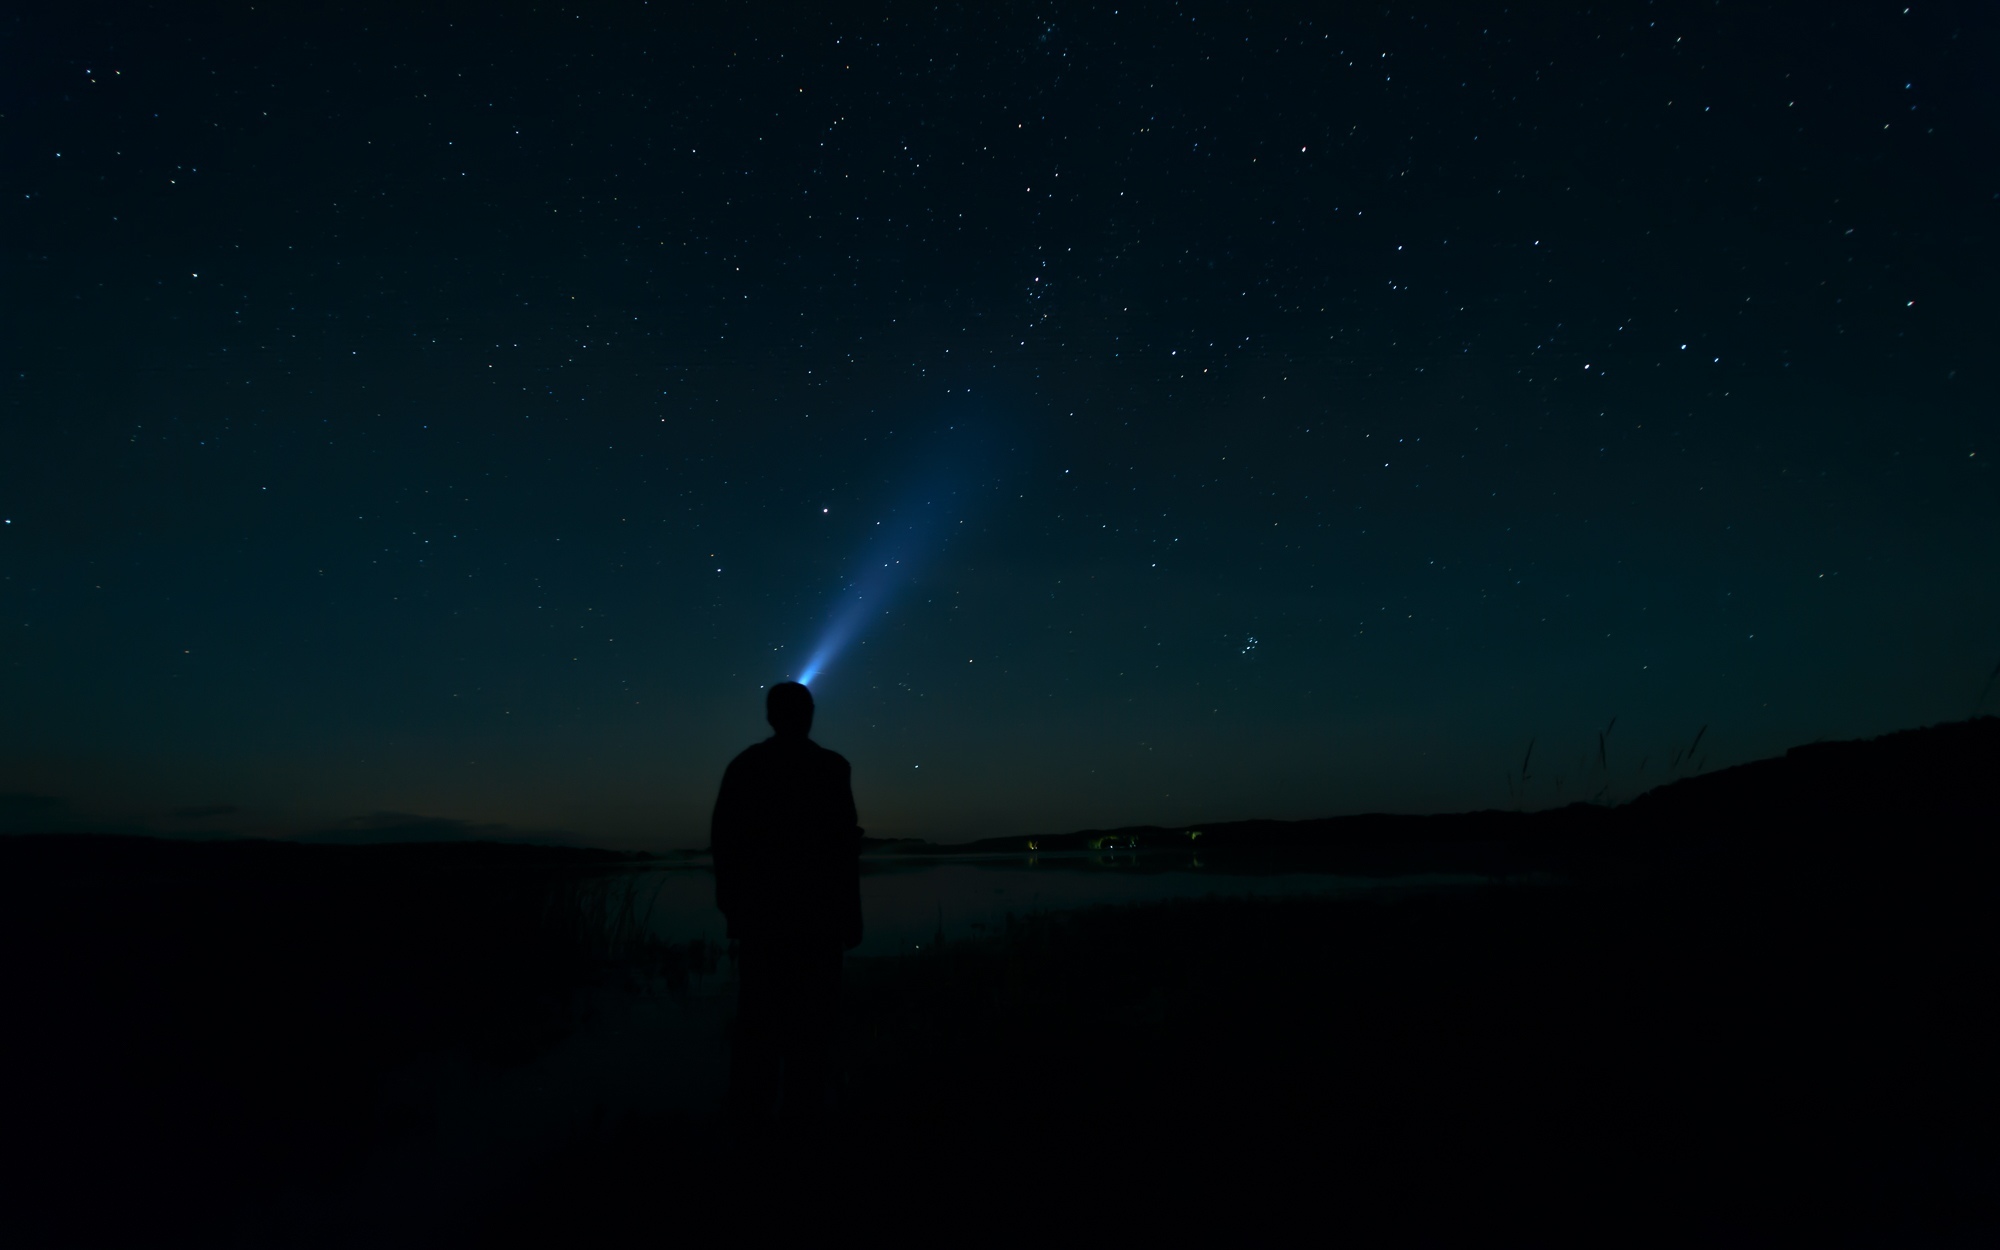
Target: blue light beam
[911, 536]
[869, 595]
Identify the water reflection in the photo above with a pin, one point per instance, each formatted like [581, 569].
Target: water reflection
[907, 900]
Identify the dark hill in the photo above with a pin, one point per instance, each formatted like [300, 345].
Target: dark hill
[1872, 797]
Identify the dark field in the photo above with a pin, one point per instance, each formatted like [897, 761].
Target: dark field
[1748, 1008]
[1613, 1062]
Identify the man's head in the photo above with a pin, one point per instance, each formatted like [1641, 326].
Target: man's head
[789, 708]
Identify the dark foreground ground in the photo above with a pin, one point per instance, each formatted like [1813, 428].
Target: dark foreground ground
[1612, 1063]
[1750, 1009]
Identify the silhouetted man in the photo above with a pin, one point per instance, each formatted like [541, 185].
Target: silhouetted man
[788, 880]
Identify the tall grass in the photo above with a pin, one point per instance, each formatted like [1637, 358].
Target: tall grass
[1986, 689]
[1596, 778]
[606, 920]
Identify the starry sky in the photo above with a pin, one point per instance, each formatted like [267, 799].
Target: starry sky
[451, 420]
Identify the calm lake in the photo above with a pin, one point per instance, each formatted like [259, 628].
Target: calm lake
[907, 900]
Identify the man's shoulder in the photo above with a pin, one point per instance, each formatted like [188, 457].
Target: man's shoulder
[779, 752]
[810, 757]
[749, 762]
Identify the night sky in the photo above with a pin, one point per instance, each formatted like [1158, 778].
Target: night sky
[449, 423]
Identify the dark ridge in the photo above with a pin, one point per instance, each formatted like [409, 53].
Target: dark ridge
[1903, 780]
[1909, 784]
